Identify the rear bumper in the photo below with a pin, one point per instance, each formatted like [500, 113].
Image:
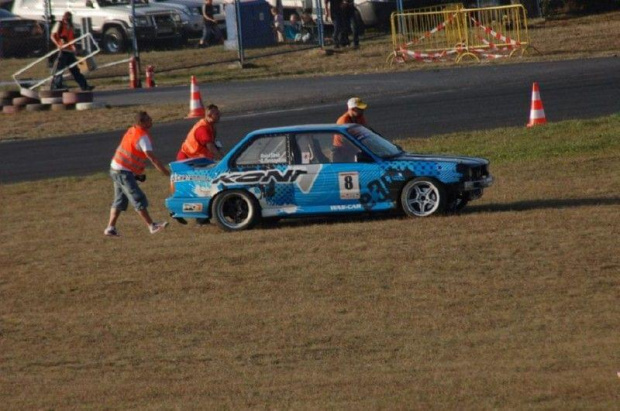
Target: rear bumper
[188, 207]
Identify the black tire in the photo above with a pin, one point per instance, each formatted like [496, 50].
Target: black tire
[11, 94]
[22, 101]
[59, 107]
[73, 97]
[235, 210]
[113, 41]
[37, 107]
[12, 109]
[51, 93]
[423, 197]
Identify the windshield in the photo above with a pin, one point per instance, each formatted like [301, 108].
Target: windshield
[5, 14]
[374, 142]
[108, 3]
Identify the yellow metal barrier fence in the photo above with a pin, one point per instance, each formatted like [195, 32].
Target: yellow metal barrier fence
[490, 32]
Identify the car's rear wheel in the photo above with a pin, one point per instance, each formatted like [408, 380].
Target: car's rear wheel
[235, 210]
[422, 197]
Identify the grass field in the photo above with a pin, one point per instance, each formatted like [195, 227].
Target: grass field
[512, 304]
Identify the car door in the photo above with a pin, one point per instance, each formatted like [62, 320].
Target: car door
[264, 168]
[340, 182]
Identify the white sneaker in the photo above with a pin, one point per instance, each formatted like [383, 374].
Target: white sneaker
[111, 232]
[157, 227]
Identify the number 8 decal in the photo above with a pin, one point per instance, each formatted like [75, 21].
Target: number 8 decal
[349, 186]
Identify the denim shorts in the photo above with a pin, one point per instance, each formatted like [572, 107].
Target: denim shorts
[125, 190]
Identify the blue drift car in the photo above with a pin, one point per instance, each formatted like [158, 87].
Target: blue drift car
[319, 170]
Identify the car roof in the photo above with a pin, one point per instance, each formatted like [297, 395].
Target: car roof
[302, 128]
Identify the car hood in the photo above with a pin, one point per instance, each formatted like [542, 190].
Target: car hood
[472, 161]
[141, 9]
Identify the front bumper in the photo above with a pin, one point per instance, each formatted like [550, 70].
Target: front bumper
[152, 33]
[477, 185]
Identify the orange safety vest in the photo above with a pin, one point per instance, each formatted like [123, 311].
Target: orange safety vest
[64, 35]
[346, 119]
[128, 155]
[192, 148]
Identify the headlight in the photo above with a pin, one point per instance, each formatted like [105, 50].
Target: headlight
[142, 21]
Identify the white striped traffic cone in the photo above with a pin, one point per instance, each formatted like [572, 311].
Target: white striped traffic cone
[537, 112]
[196, 108]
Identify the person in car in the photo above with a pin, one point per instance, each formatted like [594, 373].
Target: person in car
[201, 139]
[62, 34]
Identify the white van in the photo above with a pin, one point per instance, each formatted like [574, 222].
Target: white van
[111, 20]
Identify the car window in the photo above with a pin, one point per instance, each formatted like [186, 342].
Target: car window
[264, 150]
[324, 148]
[374, 142]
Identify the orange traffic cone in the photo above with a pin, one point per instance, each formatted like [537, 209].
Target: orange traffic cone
[196, 108]
[537, 113]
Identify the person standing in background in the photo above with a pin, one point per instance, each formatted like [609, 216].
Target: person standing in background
[62, 34]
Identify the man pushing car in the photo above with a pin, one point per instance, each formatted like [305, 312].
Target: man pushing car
[127, 167]
[201, 139]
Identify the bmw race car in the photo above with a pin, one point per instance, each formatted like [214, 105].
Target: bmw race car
[319, 170]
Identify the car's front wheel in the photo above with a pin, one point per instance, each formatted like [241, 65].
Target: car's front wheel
[422, 197]
[235, 210]
[113, 41]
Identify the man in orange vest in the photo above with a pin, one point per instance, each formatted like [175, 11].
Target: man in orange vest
[200, 141]
[355, 115]
[62, 34]
[127, 167]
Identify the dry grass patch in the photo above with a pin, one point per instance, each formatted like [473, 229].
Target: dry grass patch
[511, 304]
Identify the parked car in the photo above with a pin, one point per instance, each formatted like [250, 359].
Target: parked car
[194, 8]
[112, 20]
[19, 36]
[320, 170]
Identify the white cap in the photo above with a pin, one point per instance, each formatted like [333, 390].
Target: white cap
[356, 102]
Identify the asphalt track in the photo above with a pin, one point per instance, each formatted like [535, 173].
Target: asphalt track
[408, 104]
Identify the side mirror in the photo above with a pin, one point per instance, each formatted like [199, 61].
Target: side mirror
[362, 157]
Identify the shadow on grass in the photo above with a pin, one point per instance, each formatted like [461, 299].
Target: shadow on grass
[543, 204]
[488, 208]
